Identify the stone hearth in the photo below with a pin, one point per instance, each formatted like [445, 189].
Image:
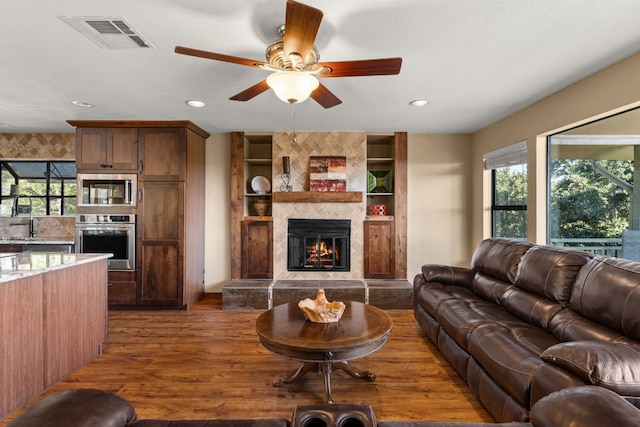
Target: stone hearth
[266, 294]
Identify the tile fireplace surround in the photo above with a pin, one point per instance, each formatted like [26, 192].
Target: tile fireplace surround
[353, 145]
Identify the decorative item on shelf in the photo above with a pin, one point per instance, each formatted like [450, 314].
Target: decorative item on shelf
[379, 181]
[328, 173]
[286, 174]
[260, 185]
[378, 210]
[261, 207]
[319, 310]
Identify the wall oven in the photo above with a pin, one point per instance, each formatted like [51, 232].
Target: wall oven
[108, 233]
[98, 189]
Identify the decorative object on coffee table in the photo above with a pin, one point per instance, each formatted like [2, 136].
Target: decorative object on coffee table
[321, 311]
[328, 173]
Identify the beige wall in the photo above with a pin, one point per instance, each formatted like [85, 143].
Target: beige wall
[439, 200]
[611, 90]
[217, 245]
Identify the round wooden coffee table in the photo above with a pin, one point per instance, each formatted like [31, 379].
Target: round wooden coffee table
[362, 330]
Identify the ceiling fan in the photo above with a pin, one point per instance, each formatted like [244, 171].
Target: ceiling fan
[295, 62]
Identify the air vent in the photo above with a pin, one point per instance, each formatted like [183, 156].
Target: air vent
[108, 32]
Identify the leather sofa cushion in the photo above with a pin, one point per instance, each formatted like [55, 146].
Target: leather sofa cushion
[460, 317]
[585, 406]
[550, 272]
[610, 365]
[529, 307]
[568, 325]
[499, 258]
[510, 353]
[78, 408]
[489, 288]
[549, 378]
[607, 291]
[431, 295]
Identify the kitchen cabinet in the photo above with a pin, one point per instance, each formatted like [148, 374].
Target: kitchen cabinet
[379, 262]
[122, 287]
[106, 149]
[160, 243]
[54, 321]
[170, 167]
[162, 154]
[257, 249]
[170, 242]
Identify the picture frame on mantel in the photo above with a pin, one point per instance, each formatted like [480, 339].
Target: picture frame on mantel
[328, 173]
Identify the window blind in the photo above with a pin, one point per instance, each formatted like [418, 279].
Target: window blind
[515, 154]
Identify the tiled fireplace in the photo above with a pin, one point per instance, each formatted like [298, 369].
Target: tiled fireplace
[353, 146]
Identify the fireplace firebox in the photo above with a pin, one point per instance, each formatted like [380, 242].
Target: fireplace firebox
[318, 244]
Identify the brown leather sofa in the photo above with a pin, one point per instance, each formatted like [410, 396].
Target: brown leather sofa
[527, 320]
[586, 406]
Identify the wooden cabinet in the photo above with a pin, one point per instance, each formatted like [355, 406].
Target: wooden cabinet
[53, 322]
[385, 245]
[170, 166]
[257, 249]
[162, 154]
[122, 288]
[111, 149]
[251, 156]
[170, 249]
[160, 243]
[379, 262]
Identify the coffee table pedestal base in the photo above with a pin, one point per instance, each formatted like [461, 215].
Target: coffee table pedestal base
[327, 369]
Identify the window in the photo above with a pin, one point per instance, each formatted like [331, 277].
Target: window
[593, 201]
[509, 191]
[38, 187]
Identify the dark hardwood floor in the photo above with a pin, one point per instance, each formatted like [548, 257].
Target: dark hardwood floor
[208, 363]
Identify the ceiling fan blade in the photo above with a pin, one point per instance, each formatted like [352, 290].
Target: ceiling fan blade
[253, 91]
[325, 97]
[366, 67]
[300, 29]
[218, 56]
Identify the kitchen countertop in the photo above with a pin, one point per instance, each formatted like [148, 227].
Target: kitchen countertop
[35, 241]
[19, 265]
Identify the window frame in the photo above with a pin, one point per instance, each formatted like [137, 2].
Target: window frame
[48, 197]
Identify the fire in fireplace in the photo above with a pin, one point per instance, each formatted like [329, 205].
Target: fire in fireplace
[318, 244]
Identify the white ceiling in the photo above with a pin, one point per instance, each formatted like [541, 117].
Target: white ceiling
[476, 61]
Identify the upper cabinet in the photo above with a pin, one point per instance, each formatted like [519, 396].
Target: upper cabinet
[162, 154]
[107, 150]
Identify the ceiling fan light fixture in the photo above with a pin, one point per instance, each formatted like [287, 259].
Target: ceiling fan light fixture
[292, 86]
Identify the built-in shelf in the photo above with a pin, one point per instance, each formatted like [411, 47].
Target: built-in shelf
[317, 197]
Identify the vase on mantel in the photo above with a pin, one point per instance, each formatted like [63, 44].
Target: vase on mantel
[261, 207]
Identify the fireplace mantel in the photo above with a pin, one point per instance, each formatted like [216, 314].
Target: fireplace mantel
[317, 197]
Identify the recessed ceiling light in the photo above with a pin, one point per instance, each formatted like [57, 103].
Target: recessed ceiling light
[195, 103]
[82, 104]
[418, 102]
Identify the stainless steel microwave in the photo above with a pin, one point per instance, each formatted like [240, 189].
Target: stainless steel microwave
[98, 189]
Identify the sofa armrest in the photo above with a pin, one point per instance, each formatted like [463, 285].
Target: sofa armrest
[584, 406]
[610, 365]
[78, 408]
[447, 275]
